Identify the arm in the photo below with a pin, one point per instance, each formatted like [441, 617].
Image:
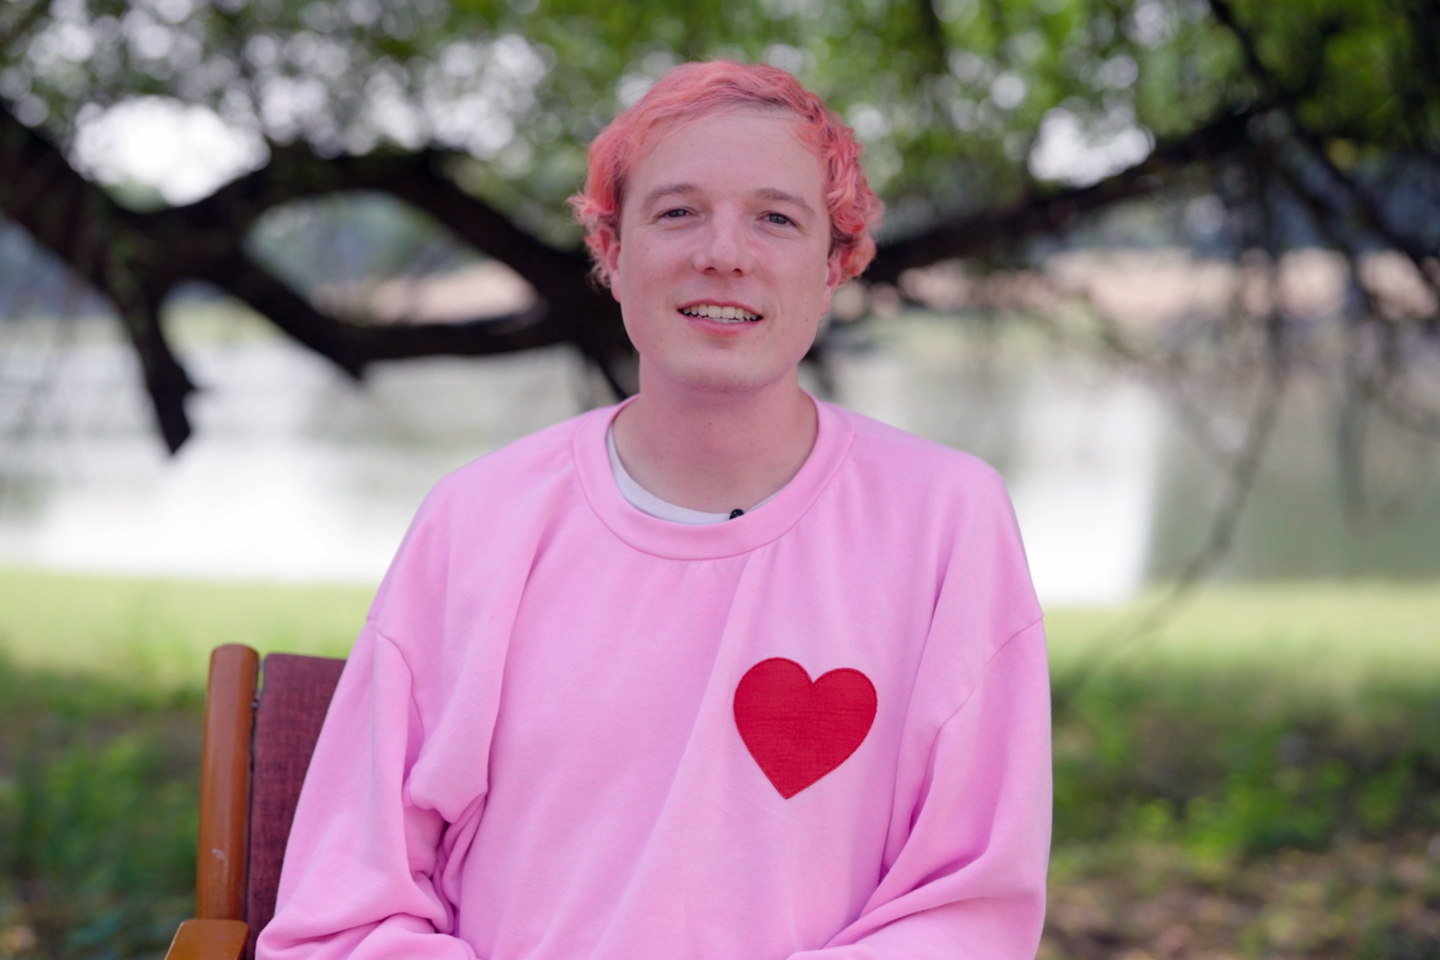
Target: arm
[970, 879]
[358, 879]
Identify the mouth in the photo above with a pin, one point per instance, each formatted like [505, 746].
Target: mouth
[721, 313]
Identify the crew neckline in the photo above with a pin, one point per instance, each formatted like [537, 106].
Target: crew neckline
[679, 541]
[647, 502]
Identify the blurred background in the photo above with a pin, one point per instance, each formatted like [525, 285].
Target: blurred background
[269, 268]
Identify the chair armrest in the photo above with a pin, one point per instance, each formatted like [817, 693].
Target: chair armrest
[209, 940]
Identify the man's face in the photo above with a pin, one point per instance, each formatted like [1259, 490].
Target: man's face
[722, 265]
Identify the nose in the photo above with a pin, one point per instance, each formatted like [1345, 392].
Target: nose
[724, 247]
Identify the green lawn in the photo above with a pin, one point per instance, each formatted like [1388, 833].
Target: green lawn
[1260, 778]
[1320, 635]
[160, 631]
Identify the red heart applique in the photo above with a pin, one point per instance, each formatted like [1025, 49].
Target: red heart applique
[796, 730]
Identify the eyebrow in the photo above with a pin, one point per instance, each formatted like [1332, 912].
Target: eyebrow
[672, 189]
[780, 196]
[686, 189]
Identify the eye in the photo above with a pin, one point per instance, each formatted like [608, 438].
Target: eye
[675, 214]
[779, 219]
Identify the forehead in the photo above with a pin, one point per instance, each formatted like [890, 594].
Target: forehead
[736, 149]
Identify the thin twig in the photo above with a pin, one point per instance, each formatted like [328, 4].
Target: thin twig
[1145, 626]
[1124, 635]
[1287, 100]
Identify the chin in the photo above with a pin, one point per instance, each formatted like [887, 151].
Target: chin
[722, 381]
[721, 378]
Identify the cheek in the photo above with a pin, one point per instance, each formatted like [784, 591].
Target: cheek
[640, 260]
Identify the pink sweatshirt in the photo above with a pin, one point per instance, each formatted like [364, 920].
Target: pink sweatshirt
[572, 731]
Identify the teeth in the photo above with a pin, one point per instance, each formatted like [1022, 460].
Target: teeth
[724, 314]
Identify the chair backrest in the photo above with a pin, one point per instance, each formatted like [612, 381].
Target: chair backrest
[295, 692]
[252, 767]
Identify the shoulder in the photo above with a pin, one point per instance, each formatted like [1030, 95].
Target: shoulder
[521, 467]
[946, 505]
[884, 455]
[479, 519]
[953, 514]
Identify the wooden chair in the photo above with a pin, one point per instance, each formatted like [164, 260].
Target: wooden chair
[253, 763]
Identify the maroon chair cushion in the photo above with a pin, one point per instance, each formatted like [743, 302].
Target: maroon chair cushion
[295, 692]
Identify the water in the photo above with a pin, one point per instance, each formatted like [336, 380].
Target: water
[297, 474]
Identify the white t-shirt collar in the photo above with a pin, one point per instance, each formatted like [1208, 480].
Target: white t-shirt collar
[646, 502]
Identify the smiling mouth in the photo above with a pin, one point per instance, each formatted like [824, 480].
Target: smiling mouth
[710, 311]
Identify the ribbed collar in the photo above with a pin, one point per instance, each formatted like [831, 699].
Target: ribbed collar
[731, 538]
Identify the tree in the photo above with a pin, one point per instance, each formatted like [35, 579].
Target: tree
[1298, 117]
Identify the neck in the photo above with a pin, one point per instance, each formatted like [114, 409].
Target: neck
[715, 450]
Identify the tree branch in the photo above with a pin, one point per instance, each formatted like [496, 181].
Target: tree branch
[166, 381]
[1288, 101]
[22, 25]
[353, 346]
[1053, 212]
[58, 207]
[296, 172]
[135, 259]
[75, 219]
[932, 28]
[573, 310]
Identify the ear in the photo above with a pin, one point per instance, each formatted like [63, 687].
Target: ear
[610, 256]
[834, 276]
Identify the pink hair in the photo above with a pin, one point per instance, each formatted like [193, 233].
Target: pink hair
[694, 90]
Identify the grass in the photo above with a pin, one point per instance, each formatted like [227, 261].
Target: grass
[1260, 779]
[101, 691]
[1323, 638]
[159, 633]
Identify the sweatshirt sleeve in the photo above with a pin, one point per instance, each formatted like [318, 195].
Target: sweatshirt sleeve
[969, 882]
[359, 878]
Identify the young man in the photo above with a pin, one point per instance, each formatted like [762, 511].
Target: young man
[722, 673]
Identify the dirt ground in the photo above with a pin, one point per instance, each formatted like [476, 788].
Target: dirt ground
[1358, 900]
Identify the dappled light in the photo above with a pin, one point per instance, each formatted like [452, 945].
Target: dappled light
[270, 268]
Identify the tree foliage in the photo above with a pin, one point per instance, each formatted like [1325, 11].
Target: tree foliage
[1299, 116]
